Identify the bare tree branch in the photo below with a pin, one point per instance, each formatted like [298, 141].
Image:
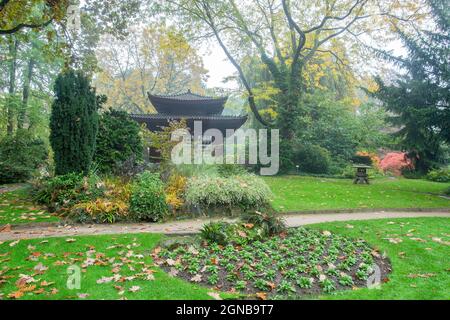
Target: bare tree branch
[251, 97]
[327, 18]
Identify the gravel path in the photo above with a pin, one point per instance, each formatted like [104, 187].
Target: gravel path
[191, 226]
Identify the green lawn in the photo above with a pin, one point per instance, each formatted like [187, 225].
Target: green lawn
[103, 256]
[16, 207]
[420, 262]
[418, 249]
[296, 193]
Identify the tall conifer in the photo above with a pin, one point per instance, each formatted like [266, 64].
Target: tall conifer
[73, 123]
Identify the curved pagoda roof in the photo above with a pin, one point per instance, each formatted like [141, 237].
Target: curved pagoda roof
[155, 122]
[188, 103]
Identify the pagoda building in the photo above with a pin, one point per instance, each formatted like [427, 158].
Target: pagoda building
[191, 107]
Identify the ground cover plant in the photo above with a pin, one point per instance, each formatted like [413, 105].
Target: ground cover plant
[252, 226]
[111, 204]
[295, 193]
[16, 207]
[300, 261]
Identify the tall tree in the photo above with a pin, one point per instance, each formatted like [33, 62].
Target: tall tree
[261, 26]
[27, 73]
[419, 100]
[11, 102]
[156, 60]
[73, 123]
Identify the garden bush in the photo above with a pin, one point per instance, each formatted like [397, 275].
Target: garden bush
[224, 233]
[447, 191]
[21, 155]
[227, 170]
[148, 200]
[312, 158]
[348, 172]
[216, 232]
[108, 207]
[118, 141]
[175, 187]
[60, 191]
[99, 211]
[411, 173]
[247, 192]
[439, 175]
[269, 222]
[395, 162]
[131, 167]
[191, 170]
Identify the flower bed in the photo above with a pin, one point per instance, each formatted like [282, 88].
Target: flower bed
[297, 262]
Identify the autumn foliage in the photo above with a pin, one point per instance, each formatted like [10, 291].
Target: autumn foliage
[394, 162]
[373, 157]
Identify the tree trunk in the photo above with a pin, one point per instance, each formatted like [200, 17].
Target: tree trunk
[25, 94]
[13, 43]
[288, 102]
[289, 110]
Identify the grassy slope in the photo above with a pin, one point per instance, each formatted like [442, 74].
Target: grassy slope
[294, 193]
[163, 287]
[16, 208]
[421, 265]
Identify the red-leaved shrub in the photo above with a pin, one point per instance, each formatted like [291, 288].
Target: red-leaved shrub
[394, 162]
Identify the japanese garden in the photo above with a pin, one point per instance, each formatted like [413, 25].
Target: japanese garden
[224, 150]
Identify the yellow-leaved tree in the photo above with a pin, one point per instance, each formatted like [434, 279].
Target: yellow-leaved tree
[156, 59]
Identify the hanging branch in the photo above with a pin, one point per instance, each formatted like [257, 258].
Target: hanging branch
[251, 96]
